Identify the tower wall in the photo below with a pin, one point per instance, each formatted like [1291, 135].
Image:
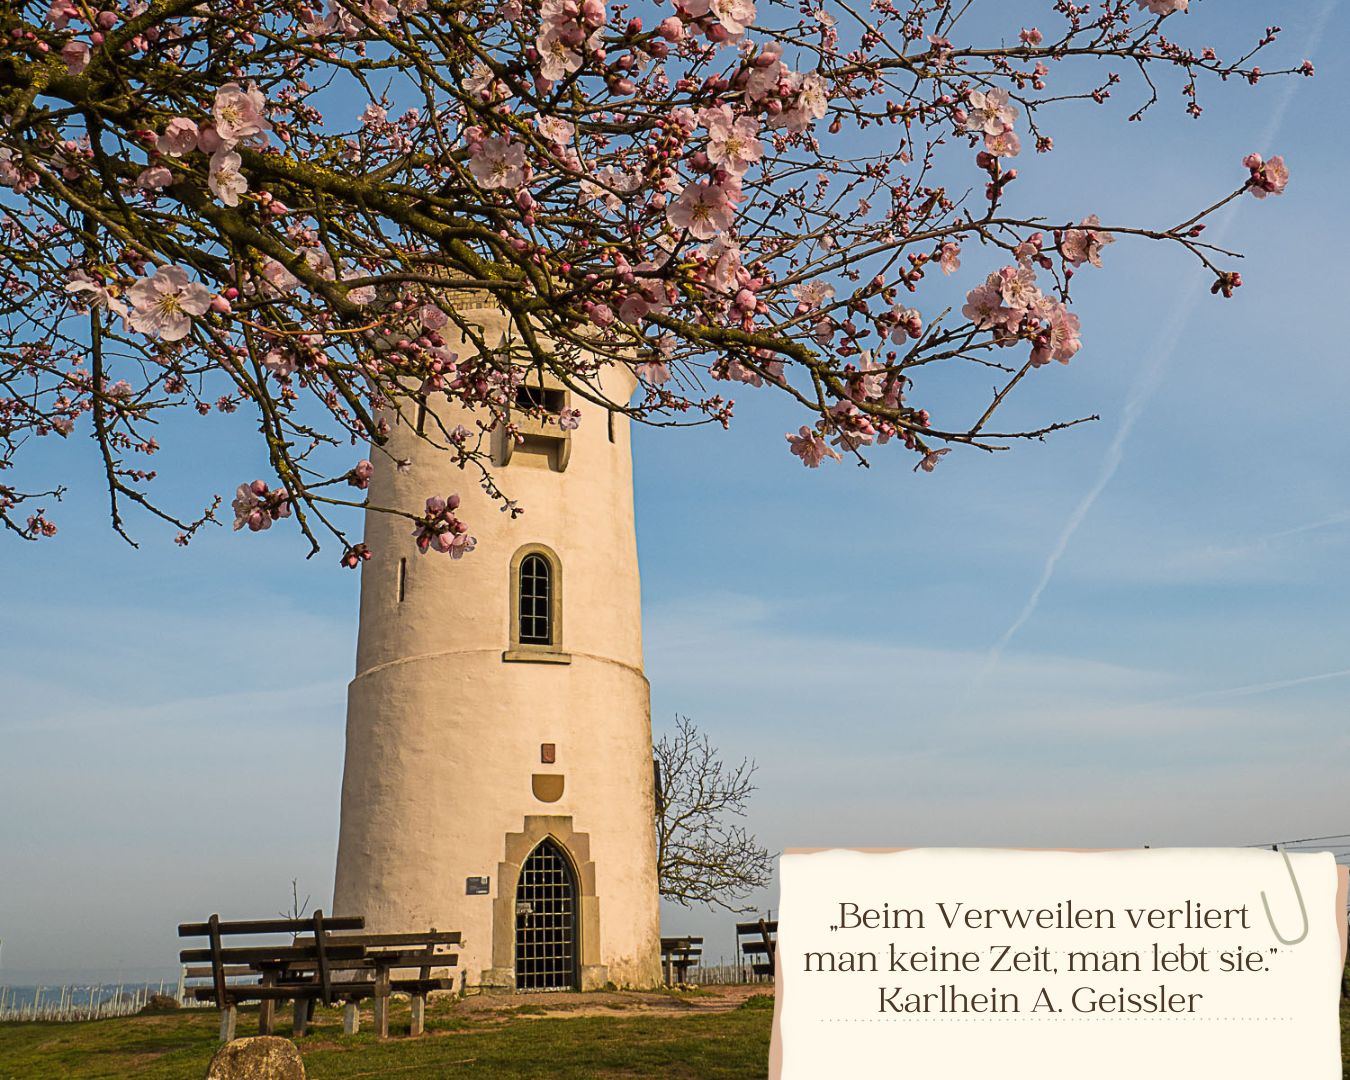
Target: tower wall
[444, 734]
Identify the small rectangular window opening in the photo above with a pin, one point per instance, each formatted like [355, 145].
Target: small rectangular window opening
[402, 579]
[611, 425]
[538, 397]
[421, 417]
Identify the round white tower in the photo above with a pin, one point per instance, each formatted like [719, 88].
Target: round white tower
[498, 775]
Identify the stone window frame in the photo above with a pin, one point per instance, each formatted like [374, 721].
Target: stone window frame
[545, 432]
[529, 652]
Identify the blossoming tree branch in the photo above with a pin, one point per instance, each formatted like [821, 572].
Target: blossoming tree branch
[265, 207]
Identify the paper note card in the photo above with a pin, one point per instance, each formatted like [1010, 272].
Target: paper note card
[972, 963]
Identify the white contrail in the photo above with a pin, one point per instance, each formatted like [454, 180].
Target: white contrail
[1257, 688]
[1150, 375]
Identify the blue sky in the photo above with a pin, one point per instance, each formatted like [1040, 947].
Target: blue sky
[163, 712]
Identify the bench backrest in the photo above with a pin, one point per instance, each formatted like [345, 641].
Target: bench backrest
[321, 949]
[762, 935]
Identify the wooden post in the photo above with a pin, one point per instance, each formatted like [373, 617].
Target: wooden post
[419, 1007]
[321, 952]
[267, 1006]
[217, 962]
[300, 1017]
[770, 953]
[382, 1002]
[229, 1015]
[351, 1018]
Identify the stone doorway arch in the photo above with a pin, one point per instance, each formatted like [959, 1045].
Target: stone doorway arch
[547, 952]
[591, 974]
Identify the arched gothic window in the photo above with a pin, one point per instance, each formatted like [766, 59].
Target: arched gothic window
[536, 606]
[536, 600]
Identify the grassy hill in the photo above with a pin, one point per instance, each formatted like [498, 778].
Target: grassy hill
[706, 1035]
[716, 1034]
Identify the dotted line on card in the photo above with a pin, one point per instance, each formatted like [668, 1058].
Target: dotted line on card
[1050, 1019]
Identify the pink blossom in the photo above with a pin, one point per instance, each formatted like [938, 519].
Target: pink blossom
[984, 307]
[929, 461]
[766, 73]
[1163, 7]
[569, 419]
[735, 15]
[989, 112]
[88, 292]
[209, 140]
[724, 255]
[908, 324]
[1017, 286]
[154, 178]
[1061, 340]
[280, 363]
[442, 531]
[1085, 243]
[163, 304]
[654, 371]
[432, 317]
[60, 12]
[703, 208]
[1268, 177]
[810, 447]
[811, 294]
[179, 138]
[256, 507]
[1004, 144]
[950, 258]
[278, 277]
[557, 59]
[812, 103]
[734, 144]
[479, 80]
[555, 129]
[224, 179]
[239, 114]
[360, 475]
[76, 56]
[498, 163]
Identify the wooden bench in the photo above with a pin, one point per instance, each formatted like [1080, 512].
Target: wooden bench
[249, 963]
[678, 955]
[318, 964]
[374, 975]
[757, 942]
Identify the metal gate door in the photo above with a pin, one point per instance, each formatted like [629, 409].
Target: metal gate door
[546, 921]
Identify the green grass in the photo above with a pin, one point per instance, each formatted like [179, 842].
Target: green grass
[511, 1043]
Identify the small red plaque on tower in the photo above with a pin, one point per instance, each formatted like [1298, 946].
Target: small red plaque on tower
[548, 753]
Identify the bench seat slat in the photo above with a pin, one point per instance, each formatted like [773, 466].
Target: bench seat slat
[274, 926]
[248, 954]
[341, 990]
[376, 941]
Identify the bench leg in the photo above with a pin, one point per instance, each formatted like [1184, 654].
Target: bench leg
[300, 1016]
[382, 1003]
[266, 1012]
[351, 1018]
[229, 1016]
[419, 1014]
